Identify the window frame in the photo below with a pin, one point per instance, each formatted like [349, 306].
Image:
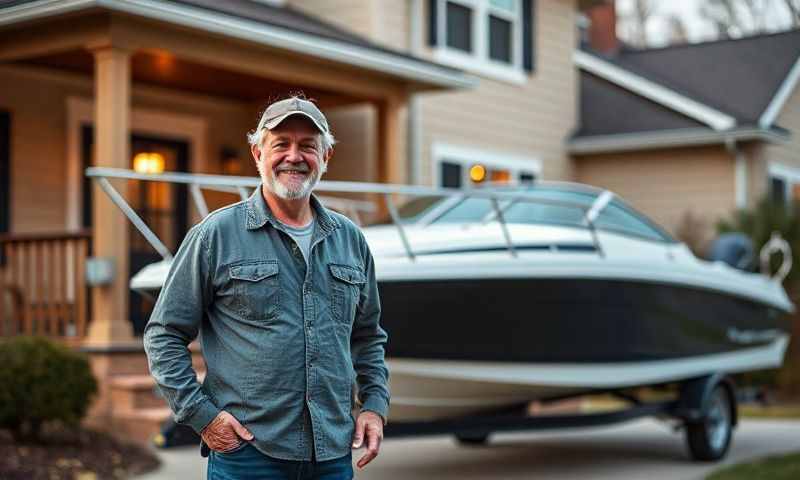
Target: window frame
[468, 156]
[478, 61]
[790, 177]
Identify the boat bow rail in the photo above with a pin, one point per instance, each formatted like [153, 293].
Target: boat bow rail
[243, 186]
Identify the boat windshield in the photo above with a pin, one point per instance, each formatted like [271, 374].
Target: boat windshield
[615, 216]
[521, 211]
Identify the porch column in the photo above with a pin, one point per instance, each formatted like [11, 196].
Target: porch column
[110, 325]
[391, 165]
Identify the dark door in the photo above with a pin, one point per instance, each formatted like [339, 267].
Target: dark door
[162, 206]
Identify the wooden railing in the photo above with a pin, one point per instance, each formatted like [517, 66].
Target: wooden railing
[43, 285]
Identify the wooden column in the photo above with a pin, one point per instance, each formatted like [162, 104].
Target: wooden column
[391, 164]
[110, 325]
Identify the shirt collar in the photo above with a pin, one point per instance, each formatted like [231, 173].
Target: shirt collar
[258, 212]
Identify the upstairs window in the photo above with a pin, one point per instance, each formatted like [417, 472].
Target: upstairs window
[489, 37]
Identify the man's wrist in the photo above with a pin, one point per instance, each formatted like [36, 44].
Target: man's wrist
[205, 413]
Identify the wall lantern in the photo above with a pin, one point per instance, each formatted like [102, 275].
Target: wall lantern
[148, 162]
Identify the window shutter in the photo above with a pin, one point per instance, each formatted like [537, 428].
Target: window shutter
[5, 177]
[432, 22]
[528, 39]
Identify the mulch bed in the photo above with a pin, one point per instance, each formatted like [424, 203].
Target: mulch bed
[81, 455]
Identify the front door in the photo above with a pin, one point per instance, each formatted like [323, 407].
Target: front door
[162, 206]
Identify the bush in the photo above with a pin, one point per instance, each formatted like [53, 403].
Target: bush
[758, 223]
[41, 381]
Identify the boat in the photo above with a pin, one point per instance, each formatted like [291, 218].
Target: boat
[496, 297]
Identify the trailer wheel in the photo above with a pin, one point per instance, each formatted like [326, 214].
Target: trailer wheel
[710, 436]
[472, 439]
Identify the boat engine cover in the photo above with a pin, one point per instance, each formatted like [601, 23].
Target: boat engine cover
[735, 249]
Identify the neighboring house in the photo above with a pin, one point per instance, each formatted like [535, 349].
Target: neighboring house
[416, 91]
[698, 129]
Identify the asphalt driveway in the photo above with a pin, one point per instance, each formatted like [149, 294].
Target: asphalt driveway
[645, 449]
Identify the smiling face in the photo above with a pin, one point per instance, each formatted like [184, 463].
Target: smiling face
[290, 158]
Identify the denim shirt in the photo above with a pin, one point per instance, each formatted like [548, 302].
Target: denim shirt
[283, 344]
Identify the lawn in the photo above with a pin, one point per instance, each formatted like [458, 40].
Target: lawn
[771, 411]
[772, 468]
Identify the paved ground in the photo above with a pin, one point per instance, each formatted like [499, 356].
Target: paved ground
[645, 449]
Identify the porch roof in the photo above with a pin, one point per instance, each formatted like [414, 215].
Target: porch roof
[271, 26]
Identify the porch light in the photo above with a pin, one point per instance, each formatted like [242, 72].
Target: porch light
[477, 173]
[148, 162]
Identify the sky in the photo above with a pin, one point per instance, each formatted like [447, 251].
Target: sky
[698, 29]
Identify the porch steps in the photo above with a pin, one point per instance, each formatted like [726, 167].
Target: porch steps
[138, 409]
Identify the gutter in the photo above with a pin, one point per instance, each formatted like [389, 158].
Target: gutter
[256, 32]
[684, 137]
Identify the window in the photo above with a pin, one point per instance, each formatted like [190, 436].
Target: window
[459, 27]
[458, 167]
[490, 37]
[784, 183]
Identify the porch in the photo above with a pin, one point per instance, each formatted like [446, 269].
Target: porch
[98, 84]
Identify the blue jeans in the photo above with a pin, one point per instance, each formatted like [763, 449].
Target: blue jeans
[247, 463]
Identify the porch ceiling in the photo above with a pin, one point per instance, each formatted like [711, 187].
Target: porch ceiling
[207, 22]
[163, 69]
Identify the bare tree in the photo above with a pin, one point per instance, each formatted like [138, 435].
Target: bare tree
[677, 30]
[794, 9]
[633, 22]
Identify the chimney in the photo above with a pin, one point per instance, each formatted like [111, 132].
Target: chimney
[602, 16]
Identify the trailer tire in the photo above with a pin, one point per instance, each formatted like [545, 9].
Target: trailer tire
[710, 436]
[472, 439]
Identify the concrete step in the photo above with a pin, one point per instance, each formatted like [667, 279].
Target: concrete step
[139, 425]
[134, 392]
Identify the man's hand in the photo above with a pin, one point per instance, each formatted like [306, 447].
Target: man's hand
[224, 433]
[371, 425]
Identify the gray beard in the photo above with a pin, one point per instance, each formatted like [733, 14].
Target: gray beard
[282, 191]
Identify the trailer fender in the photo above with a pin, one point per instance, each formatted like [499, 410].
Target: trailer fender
[696, 394]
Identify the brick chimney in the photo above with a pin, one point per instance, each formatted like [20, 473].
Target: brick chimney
[602, 16]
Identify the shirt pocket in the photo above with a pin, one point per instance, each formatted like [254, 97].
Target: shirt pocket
[347, 283]
[255, 284]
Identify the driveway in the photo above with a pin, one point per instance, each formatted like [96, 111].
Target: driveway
[645, 449]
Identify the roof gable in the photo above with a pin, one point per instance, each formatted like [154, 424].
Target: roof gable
[739, 77]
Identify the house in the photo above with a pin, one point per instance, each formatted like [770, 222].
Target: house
[416, 91]
[700, 129]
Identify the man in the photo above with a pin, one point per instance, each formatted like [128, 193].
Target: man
[283, 294]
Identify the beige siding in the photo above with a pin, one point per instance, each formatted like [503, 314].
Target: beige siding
[788, 153]
[529, 120]
[353, 15]
[666, 184]
[384, 22]
[37, 102]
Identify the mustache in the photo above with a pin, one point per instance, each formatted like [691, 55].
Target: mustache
[300, 167]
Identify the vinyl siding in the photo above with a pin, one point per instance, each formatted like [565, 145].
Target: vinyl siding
[666, 184]
[528, 120]
[788, 153]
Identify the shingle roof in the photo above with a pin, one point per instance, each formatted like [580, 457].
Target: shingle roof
[738, 77]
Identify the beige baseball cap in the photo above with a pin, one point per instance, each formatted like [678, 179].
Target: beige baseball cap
[283, 109]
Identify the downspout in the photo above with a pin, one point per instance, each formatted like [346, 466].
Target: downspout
[740, 172]
[414, 127]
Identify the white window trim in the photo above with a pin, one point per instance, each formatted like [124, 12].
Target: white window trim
[478, 61]
[468, 156]
[789, 175]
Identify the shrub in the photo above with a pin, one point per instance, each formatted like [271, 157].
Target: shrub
[758, 223]
[41, 381]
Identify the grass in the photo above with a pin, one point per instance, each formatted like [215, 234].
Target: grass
[771, 411]
[784, 467]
